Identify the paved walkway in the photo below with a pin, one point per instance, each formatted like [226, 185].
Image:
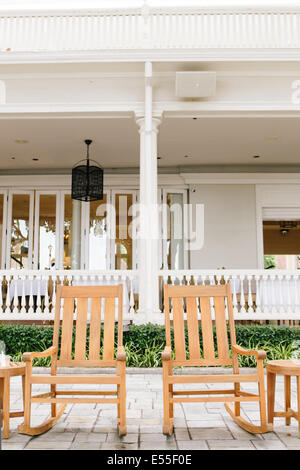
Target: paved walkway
[197, 425]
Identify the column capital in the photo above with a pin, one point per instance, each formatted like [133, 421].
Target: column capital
[156, 121]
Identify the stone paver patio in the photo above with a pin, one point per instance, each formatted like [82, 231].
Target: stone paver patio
[203, 426]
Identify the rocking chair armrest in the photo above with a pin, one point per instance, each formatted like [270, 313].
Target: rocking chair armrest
[166, 354]
[259, 354]
[121, 354]
[29, 356]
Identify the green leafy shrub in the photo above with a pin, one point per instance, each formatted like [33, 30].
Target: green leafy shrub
[269, 334]
[144, 343]
[21, 338]
[145, 335]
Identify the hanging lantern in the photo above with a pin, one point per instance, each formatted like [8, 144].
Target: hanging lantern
[87, 179]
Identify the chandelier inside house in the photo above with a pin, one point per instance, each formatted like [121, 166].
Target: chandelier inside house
[285, 227]
[87, 179]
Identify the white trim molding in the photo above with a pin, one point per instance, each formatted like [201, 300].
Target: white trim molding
[56, 181]
[281, 213]
[131, 180]
[240, 178]
[154, 55]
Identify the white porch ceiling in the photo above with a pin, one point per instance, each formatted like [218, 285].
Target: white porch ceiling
[230, 141]
[58, 143]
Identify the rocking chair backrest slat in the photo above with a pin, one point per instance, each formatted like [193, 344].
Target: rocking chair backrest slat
[179, 336]
[84, 305]
[95, 329]
[67, 329]
[109, 329]
[211, 299]
[221, 328]
[192, 324]
[81, 324]
[207, 329]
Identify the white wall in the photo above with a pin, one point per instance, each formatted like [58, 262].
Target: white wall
[230, 237]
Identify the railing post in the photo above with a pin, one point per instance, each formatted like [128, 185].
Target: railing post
[234, 297]
[250, 299]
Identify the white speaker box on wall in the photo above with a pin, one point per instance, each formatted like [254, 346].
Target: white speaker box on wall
[195, 84]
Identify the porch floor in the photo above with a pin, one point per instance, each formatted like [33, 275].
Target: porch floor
[203, 426]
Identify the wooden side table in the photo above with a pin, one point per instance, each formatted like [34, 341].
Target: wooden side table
[14, 369]
[287, 368]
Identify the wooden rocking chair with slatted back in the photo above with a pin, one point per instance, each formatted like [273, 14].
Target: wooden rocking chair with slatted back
[77, 301]
[206, 300]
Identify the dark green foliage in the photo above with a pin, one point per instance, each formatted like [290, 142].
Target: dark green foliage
[21, 338]
[144, 343]
[260, 334]
[145, 335]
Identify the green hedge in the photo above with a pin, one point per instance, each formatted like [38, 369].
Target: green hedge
[22, 338]
[259, 335]
[144, 343]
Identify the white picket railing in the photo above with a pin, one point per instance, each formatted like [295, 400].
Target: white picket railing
[257, 294]
[150, 28]
[31, 294]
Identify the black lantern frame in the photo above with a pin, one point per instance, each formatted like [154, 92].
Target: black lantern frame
[87, 179]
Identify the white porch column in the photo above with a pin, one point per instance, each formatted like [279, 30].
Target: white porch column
[149, 233]
[76, 234]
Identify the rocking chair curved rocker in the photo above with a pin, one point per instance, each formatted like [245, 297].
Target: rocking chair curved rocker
[97, 299]
[215, 299]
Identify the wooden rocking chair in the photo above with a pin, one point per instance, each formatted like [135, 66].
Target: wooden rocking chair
[94, 295]
[207, 295]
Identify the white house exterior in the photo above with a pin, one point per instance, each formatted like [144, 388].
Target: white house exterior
[164, 137]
